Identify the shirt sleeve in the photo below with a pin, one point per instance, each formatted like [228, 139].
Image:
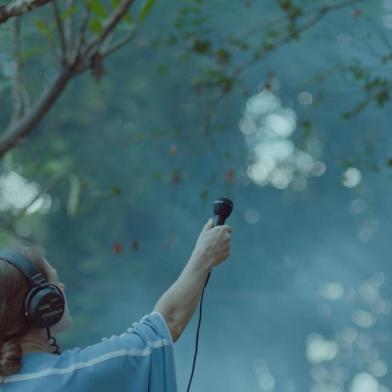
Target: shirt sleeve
[151, 328]
[141, 356]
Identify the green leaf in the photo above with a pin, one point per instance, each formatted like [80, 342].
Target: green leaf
[116, 190]
[127, 17]
[25, 55]
[267, 46]
[382, 97]
[95, 25]
[201, 46]
[8, 161]
[162, 69]
[43, 28]
[357, 109]
[203, 195]
[157, 175]
[145, 9]
[286, 5]
[273, 33]
[57, 167]
[223, 56]
[69, 12]
[73, 198]
[97, 8]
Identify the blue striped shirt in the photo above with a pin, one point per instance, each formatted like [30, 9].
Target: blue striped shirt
[139, 360]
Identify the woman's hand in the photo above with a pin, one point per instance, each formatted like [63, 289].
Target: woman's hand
[213, 244]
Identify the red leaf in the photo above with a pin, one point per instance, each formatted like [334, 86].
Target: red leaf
[230, 174]
[117, 248]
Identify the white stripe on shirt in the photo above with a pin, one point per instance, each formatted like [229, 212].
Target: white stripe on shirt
[91, 362]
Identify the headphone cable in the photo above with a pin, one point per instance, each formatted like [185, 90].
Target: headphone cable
[197, 333]
[53, 343]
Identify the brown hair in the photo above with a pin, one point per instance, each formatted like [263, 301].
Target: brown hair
[13, 290]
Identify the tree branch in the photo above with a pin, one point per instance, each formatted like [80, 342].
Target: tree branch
[19, 130]
[19, 7]
[80, 60]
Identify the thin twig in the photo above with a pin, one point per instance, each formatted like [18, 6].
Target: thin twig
[60, 30]
[82, 35]
[120, 43]
[18, 100]
[113, 20]
[322, 12]
[69, 25]
[282, 20]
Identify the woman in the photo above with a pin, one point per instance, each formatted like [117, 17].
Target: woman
[140, 359]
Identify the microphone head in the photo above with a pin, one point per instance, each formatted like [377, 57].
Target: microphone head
[223, 207]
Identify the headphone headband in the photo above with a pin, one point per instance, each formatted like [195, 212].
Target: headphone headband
[19, 261]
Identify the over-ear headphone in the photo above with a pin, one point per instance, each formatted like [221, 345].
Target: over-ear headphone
[44, 304]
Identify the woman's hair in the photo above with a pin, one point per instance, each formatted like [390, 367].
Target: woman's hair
[13, 290]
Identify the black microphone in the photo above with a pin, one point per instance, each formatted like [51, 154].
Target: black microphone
[222, 208]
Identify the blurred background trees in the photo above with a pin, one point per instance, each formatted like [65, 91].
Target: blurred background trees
[123, 120]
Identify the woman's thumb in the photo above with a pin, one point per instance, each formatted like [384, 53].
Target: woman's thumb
[209, 224]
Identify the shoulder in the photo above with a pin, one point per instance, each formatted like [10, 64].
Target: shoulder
[149, 333]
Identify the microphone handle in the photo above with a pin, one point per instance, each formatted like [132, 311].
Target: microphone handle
[219, 220]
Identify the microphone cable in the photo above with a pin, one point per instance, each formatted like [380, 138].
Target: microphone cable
[197, 333]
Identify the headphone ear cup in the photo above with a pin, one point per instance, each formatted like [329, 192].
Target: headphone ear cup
[44, 305]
